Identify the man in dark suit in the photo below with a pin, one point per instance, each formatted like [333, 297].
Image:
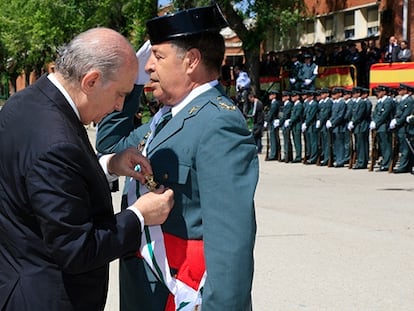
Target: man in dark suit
[258, 117]
[391, 50]
[207, 155]
[58, 229]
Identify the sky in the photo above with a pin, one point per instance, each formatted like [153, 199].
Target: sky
[163, 2]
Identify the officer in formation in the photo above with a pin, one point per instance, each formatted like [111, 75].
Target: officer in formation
[272, 123]
[325, 110]
[399, 126]
[381, 118]
[336, 125]
[309, 127]
[285, 114]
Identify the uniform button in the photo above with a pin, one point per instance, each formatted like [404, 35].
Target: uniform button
[165, 177]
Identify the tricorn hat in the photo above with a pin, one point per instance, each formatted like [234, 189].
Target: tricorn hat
[185, 23]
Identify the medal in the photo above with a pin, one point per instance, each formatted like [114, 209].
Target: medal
[150, 183]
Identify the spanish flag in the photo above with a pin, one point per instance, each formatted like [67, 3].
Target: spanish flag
[334, 76]
[391, 74]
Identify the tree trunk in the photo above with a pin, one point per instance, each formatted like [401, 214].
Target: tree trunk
[252, 66]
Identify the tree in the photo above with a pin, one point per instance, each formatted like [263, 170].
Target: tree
[252, 21]
[32, 30]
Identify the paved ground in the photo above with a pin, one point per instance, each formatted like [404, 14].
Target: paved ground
[328, 239]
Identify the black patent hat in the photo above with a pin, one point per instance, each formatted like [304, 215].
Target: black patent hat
[185, 23]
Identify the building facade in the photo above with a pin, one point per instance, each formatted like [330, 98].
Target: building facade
[334, 22]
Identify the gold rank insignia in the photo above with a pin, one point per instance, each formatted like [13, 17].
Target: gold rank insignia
[193, 109]
[150, 183]
[227, 106]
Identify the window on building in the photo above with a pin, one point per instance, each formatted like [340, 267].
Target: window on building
[328, 24]
[372, 21]
[310, 31]
[349, 25]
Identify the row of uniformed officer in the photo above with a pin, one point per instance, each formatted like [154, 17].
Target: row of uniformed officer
[337, 123]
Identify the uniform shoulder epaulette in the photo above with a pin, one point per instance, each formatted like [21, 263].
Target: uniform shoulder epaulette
[224, 103]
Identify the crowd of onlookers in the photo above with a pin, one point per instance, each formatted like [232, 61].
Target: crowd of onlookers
[361, 54]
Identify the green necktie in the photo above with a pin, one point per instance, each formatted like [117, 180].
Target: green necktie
[162, 122]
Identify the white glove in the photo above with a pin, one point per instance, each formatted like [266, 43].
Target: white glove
[292, 80]
[265, 124]
[276, 123]
[350, 126]
[143, 55]
[328, 124]
[318, 124]
[303, 127]
[393, 123]
[308, 81]
[372, 125]
[409, 118]
[287, 122]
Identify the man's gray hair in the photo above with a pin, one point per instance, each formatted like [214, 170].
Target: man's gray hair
[88, 52]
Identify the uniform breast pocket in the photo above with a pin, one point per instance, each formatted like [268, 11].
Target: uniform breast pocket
[168, 169]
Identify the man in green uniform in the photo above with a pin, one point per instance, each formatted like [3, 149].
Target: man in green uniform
[272, 123]
[325, 109]
[398, 124]
[295, 124]
[347, 96]
[381, 117]
[308, 73]
[309, 127]
[359, 127]
[286, 130]
[337, 123]
[199, 146]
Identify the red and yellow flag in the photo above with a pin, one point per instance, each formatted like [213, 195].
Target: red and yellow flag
[391, 74]
[334, 76]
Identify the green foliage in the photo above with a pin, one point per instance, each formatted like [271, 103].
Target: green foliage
[32, 30]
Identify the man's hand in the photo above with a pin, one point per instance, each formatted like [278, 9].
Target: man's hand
[124, 163]
[155, 206]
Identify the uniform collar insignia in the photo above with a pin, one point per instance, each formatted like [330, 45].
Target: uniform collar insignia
[193, 109]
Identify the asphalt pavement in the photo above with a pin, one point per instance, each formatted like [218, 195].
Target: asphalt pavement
[329, 239]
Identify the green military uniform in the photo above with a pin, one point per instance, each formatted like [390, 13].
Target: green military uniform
[271, 116]
[381, 117]
[307, 74]
[296, 126]
[360, 129]
[337, 123]
[180, 161]
[347, 118]
[295, 83]
[310, 116]
[325, 109]
[410, 135]
[285, 115]
[403, 110]
[206, 154]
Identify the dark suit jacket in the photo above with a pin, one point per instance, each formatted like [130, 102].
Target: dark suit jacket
[58, 231]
